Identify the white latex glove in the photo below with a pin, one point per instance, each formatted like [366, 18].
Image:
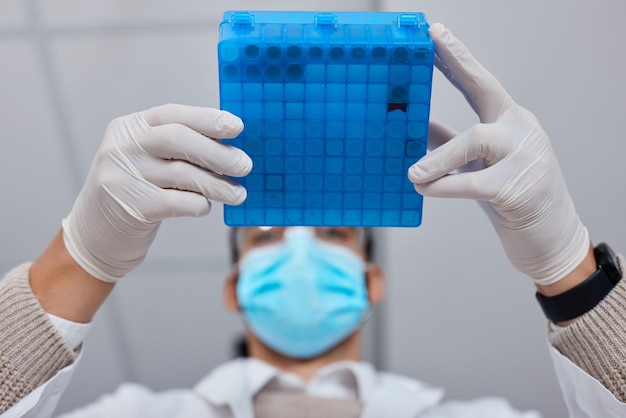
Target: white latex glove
[160, 163]
[505, 162]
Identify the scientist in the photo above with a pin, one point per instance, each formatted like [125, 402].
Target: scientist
[304, 360]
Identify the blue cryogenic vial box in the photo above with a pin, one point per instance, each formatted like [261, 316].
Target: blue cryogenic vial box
[335, 107]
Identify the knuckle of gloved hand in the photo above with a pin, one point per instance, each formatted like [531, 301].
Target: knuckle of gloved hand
[165, 111]
[178, 170]
[117, 123]
[171, 205]
[168, 132]
[107, 149]
[525, 118]
[527, 114]
[478, 134]
[168, 206]
[169, 135]
[168, 108]
[479, 131]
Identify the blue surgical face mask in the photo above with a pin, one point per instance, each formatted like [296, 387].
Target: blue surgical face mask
[302, 297]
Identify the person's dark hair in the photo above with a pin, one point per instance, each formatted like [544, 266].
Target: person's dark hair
[368, 244]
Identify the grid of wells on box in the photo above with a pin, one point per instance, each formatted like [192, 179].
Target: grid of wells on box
[331, 128]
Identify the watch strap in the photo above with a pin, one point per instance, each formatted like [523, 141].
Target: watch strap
[578, 300]
[584, 297]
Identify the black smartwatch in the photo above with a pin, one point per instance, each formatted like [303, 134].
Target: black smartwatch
[588, 294]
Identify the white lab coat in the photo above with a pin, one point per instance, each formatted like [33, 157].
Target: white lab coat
[228, 392]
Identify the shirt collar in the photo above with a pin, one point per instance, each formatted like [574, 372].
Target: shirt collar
[238, 381]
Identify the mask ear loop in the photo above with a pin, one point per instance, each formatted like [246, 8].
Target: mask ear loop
[365, 317]
[238, 241]
[241, 311]
[367, 314]
[361, 236]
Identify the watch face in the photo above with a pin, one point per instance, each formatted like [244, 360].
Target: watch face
[605, 258]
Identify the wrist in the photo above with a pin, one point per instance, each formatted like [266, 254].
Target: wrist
[63, 287]
[592, 280]
[580, 273]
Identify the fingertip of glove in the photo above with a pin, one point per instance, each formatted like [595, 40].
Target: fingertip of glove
[241, 196]
[438, 31]
[436, 28]
[241, 164]
[417, 188]
[415, 174]
[246, 165]
[229, 124]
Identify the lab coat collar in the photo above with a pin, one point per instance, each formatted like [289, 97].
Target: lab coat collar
[364, 375]
[241, 379]
[235, 384]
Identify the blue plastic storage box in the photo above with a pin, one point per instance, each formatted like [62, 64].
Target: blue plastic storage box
[335, 107]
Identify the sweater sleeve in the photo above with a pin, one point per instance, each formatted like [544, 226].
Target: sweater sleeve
[31, 349]
[596, 341]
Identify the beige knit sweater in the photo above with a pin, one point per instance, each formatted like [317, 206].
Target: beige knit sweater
[32, 351]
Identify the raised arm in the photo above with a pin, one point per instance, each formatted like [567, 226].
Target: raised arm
[164, 162]
[507, 164]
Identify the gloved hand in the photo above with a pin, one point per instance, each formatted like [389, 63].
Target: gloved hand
[507, 163]
[160, 163]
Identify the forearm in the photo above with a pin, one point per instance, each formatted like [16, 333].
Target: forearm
[63, 288]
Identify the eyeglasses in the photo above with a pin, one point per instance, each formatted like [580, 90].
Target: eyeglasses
[248, 238]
